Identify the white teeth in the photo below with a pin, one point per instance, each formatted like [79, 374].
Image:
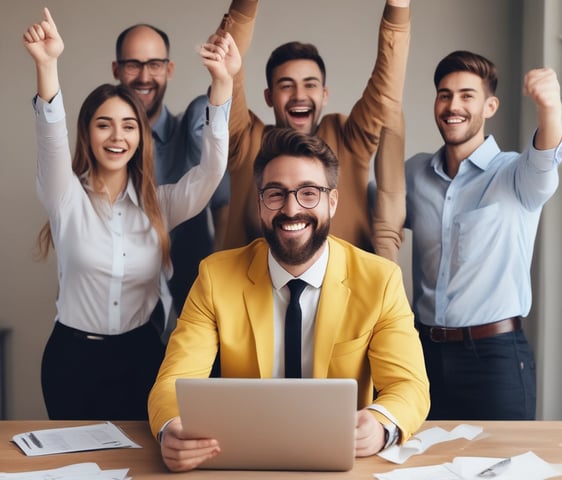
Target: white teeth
[145, 91]
[116, 150]
[293, 227]
[454, 120]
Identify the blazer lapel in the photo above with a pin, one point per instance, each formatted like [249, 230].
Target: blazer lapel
[258, 298]
[331, 309]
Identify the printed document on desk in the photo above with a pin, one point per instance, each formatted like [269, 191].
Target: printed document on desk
[522, 467]
[83, 471]
[98, 436]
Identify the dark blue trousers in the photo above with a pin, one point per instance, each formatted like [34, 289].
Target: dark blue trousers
[487, 379]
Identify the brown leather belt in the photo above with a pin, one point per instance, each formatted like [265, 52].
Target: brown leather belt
[446, 334]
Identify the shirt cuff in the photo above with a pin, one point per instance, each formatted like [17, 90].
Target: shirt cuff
[391, 430]
[217, 116]
[543, 160]
[161, 431]
[49, 112]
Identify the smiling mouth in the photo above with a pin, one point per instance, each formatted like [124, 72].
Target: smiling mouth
[300, 112]
[454, 120]
[293, 227]
[115, 150]
[143, 91]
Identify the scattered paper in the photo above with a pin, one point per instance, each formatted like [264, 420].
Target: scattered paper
[83, 471]
[73, 439]
[420, 442]
[522, 467]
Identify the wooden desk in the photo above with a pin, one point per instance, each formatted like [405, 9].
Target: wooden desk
[500, 439]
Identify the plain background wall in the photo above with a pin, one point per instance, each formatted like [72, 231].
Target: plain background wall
[346, 35]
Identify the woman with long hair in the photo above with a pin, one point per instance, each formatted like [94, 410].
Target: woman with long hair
[109, 224]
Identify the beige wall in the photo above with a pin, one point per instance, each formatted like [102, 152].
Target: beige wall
[346, 34]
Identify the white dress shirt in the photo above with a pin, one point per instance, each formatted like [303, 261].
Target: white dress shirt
[108, 255]
[309, 298]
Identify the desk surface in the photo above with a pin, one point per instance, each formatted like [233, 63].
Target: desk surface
[499, 439]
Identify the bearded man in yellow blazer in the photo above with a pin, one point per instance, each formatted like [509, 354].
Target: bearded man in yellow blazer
[356, 320]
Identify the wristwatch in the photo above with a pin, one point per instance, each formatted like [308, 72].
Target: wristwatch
[391, 435]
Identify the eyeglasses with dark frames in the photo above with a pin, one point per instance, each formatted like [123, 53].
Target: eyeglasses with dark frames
[307, 196]
[155, 66]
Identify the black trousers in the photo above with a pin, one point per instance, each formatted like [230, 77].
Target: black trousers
[102, 377]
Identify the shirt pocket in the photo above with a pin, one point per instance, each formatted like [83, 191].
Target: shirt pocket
[477, 232]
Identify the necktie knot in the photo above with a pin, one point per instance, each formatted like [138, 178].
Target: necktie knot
[296, 287]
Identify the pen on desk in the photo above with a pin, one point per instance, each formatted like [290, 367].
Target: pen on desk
[495, 469]
[35, 440]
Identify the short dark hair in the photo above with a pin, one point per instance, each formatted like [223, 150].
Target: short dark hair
[124, 33]
[287, 141]
[464, 61]
[293, 51]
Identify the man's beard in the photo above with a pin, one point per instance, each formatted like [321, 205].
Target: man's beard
[291, 252]
[456, 139]
[153, 107]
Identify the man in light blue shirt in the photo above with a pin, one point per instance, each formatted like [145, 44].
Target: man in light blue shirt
[474, 212]
[143, 64]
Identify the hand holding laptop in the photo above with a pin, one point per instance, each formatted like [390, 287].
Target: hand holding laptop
[369, 434]
[181, 453]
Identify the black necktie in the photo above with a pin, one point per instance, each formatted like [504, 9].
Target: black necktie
[293, 319]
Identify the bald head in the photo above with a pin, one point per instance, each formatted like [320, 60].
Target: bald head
[142, 64]
[138, 31]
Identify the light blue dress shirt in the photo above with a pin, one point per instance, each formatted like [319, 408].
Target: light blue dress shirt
[177, 146]
[473, 235]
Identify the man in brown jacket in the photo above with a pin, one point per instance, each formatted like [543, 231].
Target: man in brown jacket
[297, 93]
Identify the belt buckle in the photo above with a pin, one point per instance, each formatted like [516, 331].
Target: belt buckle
[437, 334]
[95, 337]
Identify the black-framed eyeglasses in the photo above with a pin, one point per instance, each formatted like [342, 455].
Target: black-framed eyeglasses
[155, 66]
[307, 196]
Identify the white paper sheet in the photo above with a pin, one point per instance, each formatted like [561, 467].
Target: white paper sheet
[73, 439]
[523, 467]
[83, 471]
[420, 442]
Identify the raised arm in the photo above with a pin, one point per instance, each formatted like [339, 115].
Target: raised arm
[543, 87]
[240, 22]
[222, 59]
[54, 164]
[45, 45]
[187, 197]
[390, 198]
[390, 204]
[384, 90]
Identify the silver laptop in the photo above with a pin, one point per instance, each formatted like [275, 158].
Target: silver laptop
[272, 424]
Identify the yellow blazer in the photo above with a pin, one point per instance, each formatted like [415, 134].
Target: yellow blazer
[363, 329]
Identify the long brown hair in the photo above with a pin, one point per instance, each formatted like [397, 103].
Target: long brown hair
[140, 168]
